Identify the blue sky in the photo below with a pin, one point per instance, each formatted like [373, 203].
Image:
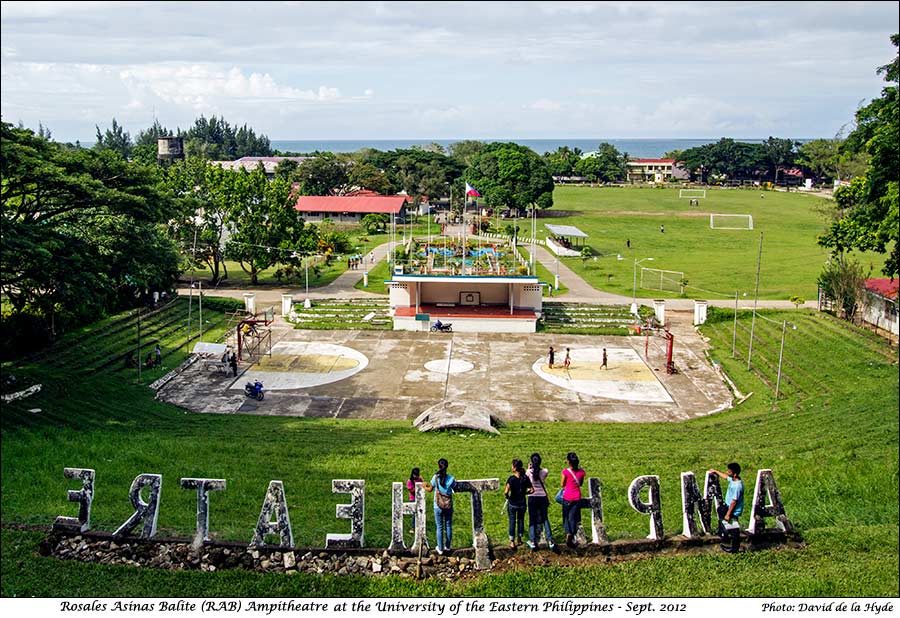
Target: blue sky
[382, 70]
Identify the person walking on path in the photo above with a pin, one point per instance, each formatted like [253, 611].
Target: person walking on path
[443, 484]
[232, 362]
[550, 356]
[570, 482]
[605, 359]
[730, 528]
[518, 486]
[537, 504]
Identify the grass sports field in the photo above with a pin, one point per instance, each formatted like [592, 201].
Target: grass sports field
[714, 262]
[832, 442]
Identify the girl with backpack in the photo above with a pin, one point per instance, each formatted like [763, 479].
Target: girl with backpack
[443, 484]
[570, 485]
[537, 504]
[517, 488]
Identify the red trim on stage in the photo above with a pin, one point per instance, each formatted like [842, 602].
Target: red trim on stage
[466, 312]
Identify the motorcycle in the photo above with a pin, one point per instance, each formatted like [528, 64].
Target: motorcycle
[254, 390]
[443, 328]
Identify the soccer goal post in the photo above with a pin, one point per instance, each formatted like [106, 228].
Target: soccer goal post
[663, 280]
[692, 193]
[730, 222]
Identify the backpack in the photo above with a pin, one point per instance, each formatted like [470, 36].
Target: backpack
[443, 501]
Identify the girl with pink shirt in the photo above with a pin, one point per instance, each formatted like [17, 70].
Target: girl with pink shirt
[571, 480]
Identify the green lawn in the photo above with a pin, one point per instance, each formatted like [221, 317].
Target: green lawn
[832, 442]
[715, 262]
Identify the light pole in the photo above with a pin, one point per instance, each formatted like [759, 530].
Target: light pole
[306, 303]
[634, 284]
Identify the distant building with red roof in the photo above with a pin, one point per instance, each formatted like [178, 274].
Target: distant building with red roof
[350, 208]
[880, 304]
[654, 170]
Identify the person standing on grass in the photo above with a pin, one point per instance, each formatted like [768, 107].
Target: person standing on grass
[442, 484]
[158, 353]
[550, 356]
[662, 228]
[570, 482]
[518, 486]
[537, 504]
[729, 512]
[414, 477]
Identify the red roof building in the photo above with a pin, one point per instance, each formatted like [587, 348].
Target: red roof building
[883, 287]
[349, 208]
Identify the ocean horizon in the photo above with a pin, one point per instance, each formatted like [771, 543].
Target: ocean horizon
[649, 147]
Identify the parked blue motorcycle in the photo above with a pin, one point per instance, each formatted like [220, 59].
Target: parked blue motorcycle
[255, 390]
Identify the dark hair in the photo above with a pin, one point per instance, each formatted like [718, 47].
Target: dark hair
[517, 464]
[572, 458]
[414, 474]
[536, 461]
[736, 468]
[442, 469]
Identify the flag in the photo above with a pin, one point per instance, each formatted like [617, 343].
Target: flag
[470, 190]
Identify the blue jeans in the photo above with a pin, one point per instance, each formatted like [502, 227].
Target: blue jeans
[444, 522]
[537, 517]
[516, 515]
[571, 516]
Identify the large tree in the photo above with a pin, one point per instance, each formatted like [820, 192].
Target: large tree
[265, 228]
[607, 164]
[511, 176]
[214, 138]
[325, 174]
[115, 138]
[869, 215]
[563, 161]
[82, 229]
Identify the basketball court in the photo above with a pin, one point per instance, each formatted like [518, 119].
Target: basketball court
[399, 375]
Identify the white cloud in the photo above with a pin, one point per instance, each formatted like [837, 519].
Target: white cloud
[545, 105]
[197, 84]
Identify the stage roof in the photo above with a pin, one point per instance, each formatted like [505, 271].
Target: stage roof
[565, 230]
[464, 278]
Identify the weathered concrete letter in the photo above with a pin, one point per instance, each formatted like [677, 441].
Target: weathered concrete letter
[399, 508]
[355, 512]
[598, 528]
[692, 501]
[766, 488]
[83, 497]
[202, 486]
[480, 540]
[652, 508]
[147, 511]
[274, 502]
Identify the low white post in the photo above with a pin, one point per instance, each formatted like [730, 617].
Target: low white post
[700, 312]
[287, 302]
[659, 306]
[250, 303]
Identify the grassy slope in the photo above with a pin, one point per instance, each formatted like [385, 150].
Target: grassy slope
[713, 260]
[832, 443]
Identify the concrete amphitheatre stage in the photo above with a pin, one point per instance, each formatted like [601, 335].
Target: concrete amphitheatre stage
[407, 375]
